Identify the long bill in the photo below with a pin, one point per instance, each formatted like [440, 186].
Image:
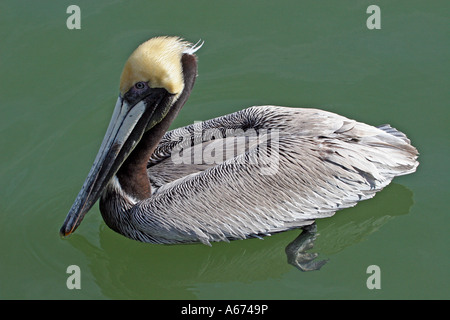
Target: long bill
[127, 125]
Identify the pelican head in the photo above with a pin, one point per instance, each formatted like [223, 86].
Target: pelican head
[155, 83]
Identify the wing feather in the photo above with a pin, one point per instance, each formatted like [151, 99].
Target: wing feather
[318, 162]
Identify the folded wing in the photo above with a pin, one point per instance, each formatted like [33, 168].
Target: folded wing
[263, 170]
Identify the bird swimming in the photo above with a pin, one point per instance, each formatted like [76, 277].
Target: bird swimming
[267, 168]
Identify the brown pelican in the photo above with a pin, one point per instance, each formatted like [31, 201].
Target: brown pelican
[273, 169]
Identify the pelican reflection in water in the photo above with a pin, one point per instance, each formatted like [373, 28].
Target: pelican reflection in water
[281, 168]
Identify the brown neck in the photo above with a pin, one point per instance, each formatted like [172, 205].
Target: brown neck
[132, 174]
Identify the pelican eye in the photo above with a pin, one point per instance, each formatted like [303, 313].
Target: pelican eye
[140, 85]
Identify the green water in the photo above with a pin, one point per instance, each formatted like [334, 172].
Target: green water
[58, 88]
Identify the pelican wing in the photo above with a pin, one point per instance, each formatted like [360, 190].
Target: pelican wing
[280, 168]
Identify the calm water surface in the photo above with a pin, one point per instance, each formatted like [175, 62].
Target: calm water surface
[58, 88]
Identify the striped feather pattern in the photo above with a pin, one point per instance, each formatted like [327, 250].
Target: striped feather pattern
[315, 163]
